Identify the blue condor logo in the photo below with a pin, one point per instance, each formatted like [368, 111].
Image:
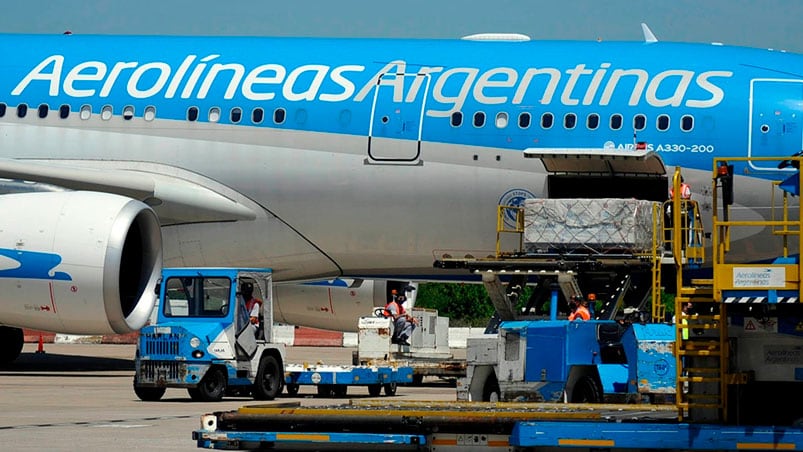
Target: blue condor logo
[30, 265]
[199, 78]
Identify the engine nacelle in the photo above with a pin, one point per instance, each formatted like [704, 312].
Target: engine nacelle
[336, 304]
[78, 262]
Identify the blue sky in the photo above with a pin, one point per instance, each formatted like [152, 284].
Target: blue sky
[757, 23]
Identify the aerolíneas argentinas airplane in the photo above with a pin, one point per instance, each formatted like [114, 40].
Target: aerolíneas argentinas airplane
[322, 158]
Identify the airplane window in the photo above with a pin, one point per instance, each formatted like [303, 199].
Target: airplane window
[686, 123]
[43, 110]
[457, 119]
[128, 112]
[150, 113]
[639, 122]
[64, 111]
[501, 120]
[592, 121]
[236, 115]
[569, 121]
[86, 112]
[663, 122]
[106, 113]
[479, 119]
[616, 122]
[524, 120]
[22, 110]
[257, 115]
[279, 115]
[547, 120]
[214, 114]
[192, 114]
[2, 109]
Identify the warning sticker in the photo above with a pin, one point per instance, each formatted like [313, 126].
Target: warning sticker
[754, 325]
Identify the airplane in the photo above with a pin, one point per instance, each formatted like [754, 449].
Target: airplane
[342, 158]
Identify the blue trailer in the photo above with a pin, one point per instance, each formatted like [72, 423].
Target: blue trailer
[332, 380]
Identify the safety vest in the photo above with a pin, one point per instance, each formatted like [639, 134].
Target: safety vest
[685, 191]
[387, 312]
[581, 312]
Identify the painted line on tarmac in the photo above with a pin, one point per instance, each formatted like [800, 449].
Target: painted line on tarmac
[106, 423]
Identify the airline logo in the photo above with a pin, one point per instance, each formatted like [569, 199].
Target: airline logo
[30, 265]
[210, 76]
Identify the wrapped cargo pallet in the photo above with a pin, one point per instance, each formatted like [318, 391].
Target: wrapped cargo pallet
[588, 225]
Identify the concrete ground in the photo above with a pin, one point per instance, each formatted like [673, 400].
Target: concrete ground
[79, 396]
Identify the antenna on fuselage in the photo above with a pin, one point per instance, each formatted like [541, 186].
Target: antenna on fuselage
[649, 36]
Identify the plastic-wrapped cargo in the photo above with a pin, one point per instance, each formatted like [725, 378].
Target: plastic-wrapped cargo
[594, 225]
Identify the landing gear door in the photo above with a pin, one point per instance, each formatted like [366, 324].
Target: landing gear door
[776, 120]
[397, 118]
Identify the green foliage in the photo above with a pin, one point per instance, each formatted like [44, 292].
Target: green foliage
[463, 304]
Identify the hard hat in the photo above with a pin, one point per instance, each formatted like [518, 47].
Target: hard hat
[592, 297]
[393, 291]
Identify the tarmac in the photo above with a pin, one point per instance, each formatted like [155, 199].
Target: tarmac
[80, 396]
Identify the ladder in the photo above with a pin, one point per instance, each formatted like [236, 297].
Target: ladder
[701, 334]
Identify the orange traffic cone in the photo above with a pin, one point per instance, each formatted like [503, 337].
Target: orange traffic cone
[41, 347]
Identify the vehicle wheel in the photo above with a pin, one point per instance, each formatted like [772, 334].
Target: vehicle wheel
[292, 388]
[268, 383]
[586, 391]
[148, 394]
[374, 390]
[341, 390]
[12, 340]
[390, 389]
[418, 379]
[490, 392]
[212, 386]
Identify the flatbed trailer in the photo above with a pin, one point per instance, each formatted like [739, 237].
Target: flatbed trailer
[334, 380]
[431, 426]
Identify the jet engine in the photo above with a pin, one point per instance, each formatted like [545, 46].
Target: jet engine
[77, 262]
[335, 304]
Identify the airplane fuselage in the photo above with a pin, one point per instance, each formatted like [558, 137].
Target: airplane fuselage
[374, 157]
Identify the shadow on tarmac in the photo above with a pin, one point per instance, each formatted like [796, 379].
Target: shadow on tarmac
[51, 362]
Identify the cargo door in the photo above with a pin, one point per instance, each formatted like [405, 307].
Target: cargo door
[776, 120]
[397, 117]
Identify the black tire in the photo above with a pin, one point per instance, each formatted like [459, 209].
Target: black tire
[212, 386]
[418, 379]
[268, 383]
[374, 390]
[586, 390]
[390, 389]
[148, 394]
[12, 340]
[490, 391]
[292, 388]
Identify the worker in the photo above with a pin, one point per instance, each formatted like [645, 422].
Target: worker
[580, 309]
[253, 305]
[403, 324]
[685, 190]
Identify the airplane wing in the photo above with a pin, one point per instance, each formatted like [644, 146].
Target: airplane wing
[175, 200]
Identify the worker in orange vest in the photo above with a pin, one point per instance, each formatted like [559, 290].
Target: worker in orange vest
[581, 311]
